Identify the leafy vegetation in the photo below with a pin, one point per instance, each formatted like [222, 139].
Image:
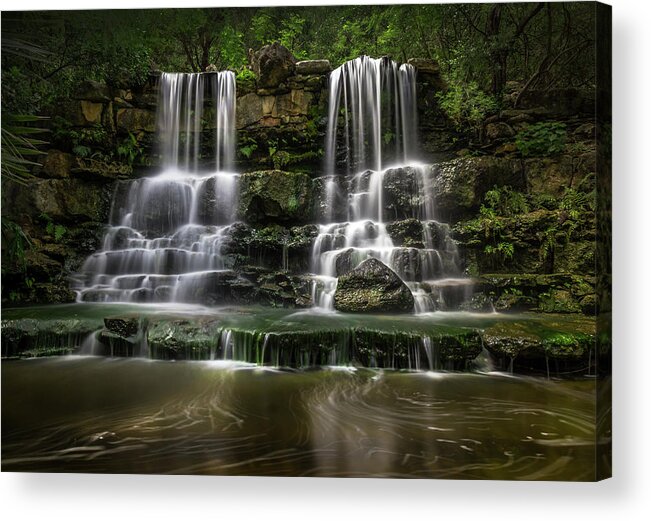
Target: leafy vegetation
[542, 139]
[466, 104]
[19, 146]
[129, 151]
[506, 202]
[478, 46]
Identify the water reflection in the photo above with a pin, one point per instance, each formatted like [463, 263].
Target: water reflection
[132, 416]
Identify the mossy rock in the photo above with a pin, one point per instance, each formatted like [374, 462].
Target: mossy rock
[408, 233]
[275, 196]
[183, 339]
[31, 336]
[372, 287]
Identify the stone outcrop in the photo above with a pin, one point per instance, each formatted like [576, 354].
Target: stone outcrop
[460, 184]
[272, 65]
[372, 287]
[275, 196]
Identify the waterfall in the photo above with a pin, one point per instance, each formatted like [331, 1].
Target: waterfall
[378, 98]
[372, 123]
[164, 240]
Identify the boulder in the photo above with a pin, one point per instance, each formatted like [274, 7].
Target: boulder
[249, 110]
[313, 67]
[372, 287]
[272, 65]
[403, 196]
[460, 184]
[275, 196]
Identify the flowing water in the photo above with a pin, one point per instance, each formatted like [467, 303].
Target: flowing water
[377, 98]
[164, 239]
[163, 245]
[139, 416]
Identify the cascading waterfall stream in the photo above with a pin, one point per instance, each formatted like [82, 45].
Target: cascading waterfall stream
[372, 119]
[165, 235]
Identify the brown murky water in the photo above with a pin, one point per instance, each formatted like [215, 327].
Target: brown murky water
[87, 414]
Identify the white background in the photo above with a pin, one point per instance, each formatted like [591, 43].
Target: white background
[626, 496]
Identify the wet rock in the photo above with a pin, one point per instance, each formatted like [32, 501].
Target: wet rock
[272, 65]
[372, 287]
[275, 196]
[408, 233]
[331, 208]
[345, 262]
[404, 193]
[42, 336]
[87, 167]
[249, 110]
[124, 327]
[92, 112]
[183, 339]
[425, 65]
[586, 131]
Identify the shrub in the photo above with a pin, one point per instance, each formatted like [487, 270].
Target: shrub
[541, 139]
[466, 104]
[506, 202]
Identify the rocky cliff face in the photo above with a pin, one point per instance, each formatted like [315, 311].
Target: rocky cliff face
[537, 255]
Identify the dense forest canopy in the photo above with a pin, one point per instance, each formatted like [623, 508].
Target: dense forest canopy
[480, 47]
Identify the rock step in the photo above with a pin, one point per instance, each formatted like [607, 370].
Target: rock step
[523, 344]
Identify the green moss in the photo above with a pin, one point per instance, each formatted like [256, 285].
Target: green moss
[275, 196]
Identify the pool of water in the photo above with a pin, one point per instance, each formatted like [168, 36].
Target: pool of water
[90, 414]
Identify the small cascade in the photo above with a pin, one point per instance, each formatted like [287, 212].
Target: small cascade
[371, 123]
[378, 98]
[166, 232]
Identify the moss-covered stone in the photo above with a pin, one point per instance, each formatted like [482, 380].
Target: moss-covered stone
[372, 287]
[29, 337]
[183, 339]
[275, 196]
[408, 233]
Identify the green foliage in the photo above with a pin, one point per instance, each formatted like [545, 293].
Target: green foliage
[575, 202]
[542, 139]
[466, 104]
[245, 77]
[130, 150]
[506, 202]
[502, 252]
[83, 142]
[19, 144]
[81, 151]
[15, 243]
[280, 159]
[247, 147]
[548, 243]
[56, 231]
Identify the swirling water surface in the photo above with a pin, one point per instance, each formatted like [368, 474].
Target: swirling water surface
[88, 414]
